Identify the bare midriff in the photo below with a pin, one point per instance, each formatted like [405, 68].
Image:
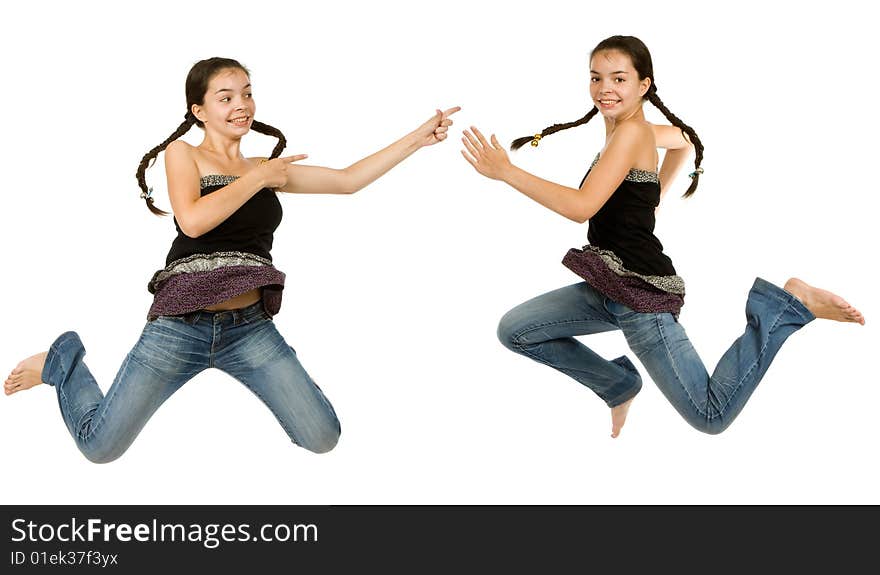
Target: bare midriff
[241, 300]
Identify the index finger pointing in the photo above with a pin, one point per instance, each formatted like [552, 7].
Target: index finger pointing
[451, 111]
[295, 158]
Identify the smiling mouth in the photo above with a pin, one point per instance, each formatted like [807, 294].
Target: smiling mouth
[239, 121]
[608, 102]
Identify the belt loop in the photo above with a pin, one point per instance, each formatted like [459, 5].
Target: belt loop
[237, 317]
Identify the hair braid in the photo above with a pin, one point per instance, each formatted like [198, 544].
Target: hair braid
[150, 158]
[520, 142]
[692, 136]
[271, 131]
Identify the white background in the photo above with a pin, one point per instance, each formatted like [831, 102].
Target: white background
[394, 294]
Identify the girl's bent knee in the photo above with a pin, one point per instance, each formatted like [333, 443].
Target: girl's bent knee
[323, 443]
[101, 453]
[102, 456]
[711, 426]
[506, 333]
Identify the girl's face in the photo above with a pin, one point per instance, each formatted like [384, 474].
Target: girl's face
[614, 84]
[229, 104]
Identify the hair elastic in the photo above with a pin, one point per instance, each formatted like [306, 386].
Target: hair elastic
[535, 140]
[695, 173]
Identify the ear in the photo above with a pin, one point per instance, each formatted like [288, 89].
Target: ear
[644, 85]
[197, 112]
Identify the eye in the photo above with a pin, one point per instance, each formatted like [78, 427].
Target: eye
[619, 80]
[224, 98]
[248, 95]
[594, 79]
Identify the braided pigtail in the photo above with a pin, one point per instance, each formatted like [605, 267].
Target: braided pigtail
[692, 136]
[150, 158]
[520, 142]
[271, 131]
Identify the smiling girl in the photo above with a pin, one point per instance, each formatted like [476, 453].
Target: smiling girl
[215, 298]
[630, 284]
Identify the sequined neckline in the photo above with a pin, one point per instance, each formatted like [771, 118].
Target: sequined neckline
[636, 175]
[216, 180]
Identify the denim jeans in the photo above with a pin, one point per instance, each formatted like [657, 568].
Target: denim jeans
[544, 327]
[171, 350]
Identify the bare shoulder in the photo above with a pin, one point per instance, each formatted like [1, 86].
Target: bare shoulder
[632, 138]
[633, 144]
[181, 166]
[178, 148]
[634, 132]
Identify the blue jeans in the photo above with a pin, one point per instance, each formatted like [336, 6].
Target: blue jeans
[544, 327]
[171, 350]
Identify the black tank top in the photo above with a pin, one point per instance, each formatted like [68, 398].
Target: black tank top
[249, 229]
[625, 224]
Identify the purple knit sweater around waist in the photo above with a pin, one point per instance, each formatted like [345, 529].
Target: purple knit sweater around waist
[202, 280]
[642, 293]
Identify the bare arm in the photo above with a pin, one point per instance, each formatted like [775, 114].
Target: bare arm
[670, 137]
[320, 180]
[671, 166]
[678, 152]
[197, 214]
[578, 205]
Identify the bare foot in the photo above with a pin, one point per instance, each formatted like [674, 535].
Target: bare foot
[618, 417]
[823, 303]
[26, 374]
